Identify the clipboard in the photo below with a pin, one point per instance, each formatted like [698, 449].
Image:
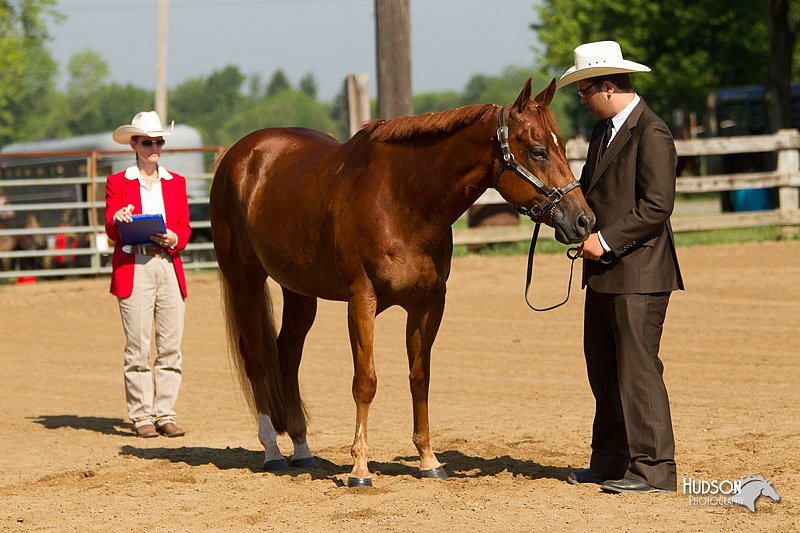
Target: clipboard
[140, 230]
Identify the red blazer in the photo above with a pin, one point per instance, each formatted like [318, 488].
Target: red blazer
[121, 192]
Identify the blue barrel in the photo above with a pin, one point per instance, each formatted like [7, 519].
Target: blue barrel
[750, 200]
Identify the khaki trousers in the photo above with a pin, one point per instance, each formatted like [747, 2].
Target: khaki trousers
[151, 395]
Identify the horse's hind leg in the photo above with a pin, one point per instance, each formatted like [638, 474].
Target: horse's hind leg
[248, 312]
[421, 329]
[249, 316]
[298, 316]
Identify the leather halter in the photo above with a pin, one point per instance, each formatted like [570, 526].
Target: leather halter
[553, 195]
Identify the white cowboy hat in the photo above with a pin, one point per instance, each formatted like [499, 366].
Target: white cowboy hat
[598, 59]
[144, 124]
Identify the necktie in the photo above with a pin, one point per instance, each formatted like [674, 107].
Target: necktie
[606, 137]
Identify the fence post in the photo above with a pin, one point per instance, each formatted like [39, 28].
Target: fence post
[788, 197]
[356, 101]
[92, 197]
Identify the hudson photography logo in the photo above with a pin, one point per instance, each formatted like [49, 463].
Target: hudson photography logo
[727, 492]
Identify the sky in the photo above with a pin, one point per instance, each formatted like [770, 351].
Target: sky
[451, 40]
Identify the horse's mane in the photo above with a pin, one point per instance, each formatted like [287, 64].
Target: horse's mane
[745, 480]
[409, 126]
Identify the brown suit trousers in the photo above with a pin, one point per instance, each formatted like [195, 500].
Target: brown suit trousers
[631, 189]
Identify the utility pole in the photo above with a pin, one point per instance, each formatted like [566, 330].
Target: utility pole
[161, 62]
[393, 50]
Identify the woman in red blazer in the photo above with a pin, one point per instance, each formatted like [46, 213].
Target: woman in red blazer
[148, 281]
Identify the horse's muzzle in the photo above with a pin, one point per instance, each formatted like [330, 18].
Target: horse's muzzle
[571, 229]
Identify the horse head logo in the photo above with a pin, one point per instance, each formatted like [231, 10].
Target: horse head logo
[752, 488]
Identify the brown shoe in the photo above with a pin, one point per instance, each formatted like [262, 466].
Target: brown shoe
[171, 430]
[146, 431]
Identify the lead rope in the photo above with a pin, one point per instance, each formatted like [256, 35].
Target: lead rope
[572, 254]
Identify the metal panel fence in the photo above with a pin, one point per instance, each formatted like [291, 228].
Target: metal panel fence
[92, 255]
[78, 244]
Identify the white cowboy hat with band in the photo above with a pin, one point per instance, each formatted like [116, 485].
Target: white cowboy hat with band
[144, 124]
[598, 59]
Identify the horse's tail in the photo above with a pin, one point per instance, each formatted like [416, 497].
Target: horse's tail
[253, 350]
[248, 307]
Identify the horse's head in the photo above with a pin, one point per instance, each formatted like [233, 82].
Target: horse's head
[33, 241]
[769, 491]
[534, 173]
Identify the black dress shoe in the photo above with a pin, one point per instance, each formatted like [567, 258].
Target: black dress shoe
[585, 475]
[619, 486]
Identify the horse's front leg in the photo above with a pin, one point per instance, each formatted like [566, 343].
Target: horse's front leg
[361, 323]
[421, 329]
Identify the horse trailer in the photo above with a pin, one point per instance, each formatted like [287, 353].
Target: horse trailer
[67, 177]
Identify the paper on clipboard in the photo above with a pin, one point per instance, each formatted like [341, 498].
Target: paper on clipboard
[140, 230]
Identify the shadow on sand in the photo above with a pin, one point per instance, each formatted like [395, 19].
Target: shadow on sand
[106, 426]
[457, 464]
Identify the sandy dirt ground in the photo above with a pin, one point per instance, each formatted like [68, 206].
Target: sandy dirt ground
[511, 411]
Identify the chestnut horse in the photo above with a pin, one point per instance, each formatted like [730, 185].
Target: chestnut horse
[13, 243]
[368, 222]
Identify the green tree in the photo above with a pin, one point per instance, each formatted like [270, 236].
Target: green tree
[338, 115]
[279, 82]
[208, 102]
[111, 105]
[90, 105]
[308, 85]
[87, 70]
[289, 108]
[256, 90]
[432, 102]
[784, 24]
[504, 89]
[693, 48]
[28, 71]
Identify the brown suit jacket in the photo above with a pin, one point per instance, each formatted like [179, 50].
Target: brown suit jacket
[631, 190]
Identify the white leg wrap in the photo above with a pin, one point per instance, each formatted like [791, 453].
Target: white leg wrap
[301, 450]
[268, 438]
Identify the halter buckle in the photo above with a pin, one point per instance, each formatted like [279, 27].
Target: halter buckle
[502, 137]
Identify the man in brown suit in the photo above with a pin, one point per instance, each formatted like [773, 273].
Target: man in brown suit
[630, 268]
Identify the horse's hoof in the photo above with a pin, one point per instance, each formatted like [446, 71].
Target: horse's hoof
[305, 462]
[359, 481]
[275, 465]
[435, 473]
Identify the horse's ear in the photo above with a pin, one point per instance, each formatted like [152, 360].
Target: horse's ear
[523, 98]
[546, 96]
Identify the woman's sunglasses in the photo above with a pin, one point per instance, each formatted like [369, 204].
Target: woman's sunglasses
[148, 142]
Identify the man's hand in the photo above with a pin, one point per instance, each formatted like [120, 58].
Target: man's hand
[591, 248]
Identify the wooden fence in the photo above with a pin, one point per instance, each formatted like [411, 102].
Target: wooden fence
[786, 177]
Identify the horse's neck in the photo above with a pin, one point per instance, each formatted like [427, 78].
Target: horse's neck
[445, 182]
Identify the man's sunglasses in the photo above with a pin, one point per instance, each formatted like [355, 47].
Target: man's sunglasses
[148, 142]
[583, 92]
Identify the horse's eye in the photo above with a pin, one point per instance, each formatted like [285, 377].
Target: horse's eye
[539, 154]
